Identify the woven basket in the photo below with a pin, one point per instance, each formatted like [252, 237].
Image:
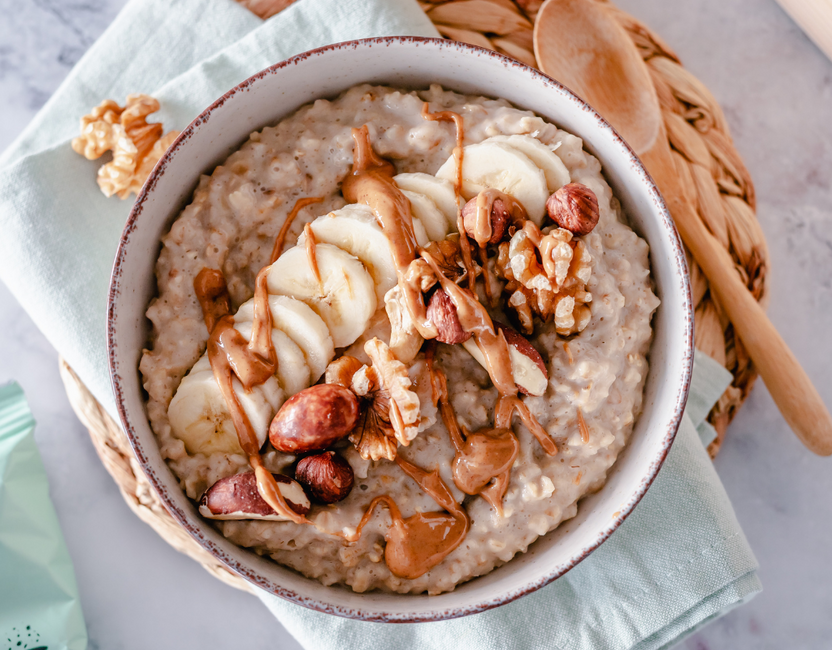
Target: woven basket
[705, 157]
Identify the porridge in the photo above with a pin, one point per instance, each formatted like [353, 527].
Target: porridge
[397, 337]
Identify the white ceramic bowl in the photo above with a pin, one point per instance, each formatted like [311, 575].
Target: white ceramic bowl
[412, 63]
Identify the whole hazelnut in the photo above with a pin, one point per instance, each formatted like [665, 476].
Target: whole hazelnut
[442, 313]
[327, 477]
[500, 221]
[574, 207]
[314, 418]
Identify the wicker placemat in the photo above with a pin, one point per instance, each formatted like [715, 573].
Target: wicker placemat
[705, 157]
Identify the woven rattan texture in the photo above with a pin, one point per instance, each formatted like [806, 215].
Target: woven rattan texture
[705, 157]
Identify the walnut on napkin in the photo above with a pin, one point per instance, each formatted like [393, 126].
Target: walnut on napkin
[136, 145]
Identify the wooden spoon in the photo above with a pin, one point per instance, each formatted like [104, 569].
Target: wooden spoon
[580, 44]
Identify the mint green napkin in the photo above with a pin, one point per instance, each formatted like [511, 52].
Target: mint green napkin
[679, 561]
[39, 606]
[681, 558]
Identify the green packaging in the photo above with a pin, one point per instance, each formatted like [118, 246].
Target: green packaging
[39, 604]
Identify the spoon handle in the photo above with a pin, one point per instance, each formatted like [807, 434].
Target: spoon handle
[788, 383]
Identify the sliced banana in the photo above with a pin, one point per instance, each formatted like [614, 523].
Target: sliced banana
[302, 325]
[553, 168]
[431, 217]
[292, 372]
[420, 233]
[200, 418]
[439, 190]
[355, 229]
[345, 297]
[498, 166]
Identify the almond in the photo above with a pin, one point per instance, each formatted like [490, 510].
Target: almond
[442, 313]
[527, 367]
[327, 477]
[236, 497]
[574, 207]
[314, 419]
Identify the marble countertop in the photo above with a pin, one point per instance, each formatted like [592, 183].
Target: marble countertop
[776, 90]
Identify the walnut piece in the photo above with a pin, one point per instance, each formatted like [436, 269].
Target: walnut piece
[393, 379]
[546, 274]
[136, 145]
[405, 340]
[391, 412]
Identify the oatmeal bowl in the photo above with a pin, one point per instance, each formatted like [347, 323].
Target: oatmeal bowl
[400, 330]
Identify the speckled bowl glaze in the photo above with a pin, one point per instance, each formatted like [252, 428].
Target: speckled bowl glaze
[413, 63]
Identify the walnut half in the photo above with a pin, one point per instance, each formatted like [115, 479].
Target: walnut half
[391, 410]
[546, 274]
[136, 145]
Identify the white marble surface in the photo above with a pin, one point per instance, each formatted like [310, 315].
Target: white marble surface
[776, 89]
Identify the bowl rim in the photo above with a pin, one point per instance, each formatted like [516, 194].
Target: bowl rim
[268, 585]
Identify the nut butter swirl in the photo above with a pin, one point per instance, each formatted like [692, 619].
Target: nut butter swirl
[483, 459]
[252, 362]
[417, 544]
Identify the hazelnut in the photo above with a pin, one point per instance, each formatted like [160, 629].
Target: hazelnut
[574, 207]
[527, 365]
[327, 477]
[314, 418]
[500, 221]
[236, 497]
[442, 313]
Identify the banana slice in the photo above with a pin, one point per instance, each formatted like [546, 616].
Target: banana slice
[302, 325]
[421, 234]
[553, 168]
[345, 298]
[200, 418]
[355, 229]
[292, 372]
[501, 167]
[439, 190]
[431, 217]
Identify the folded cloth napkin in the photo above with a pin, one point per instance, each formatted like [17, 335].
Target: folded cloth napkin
[681, 558]
[39, 604]
[679, 561]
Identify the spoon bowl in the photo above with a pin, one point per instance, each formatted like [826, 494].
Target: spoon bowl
[598, 63]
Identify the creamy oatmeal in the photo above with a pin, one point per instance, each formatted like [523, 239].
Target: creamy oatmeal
[376, 302]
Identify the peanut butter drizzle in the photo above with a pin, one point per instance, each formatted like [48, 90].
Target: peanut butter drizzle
[486, 278]
[417, 544]
[483, 457]
[252, 362]
[483, 229]
[280, 240]
[212, 293]
[503, 412]
[459, 151]
[485, 203]
[475, 319]
[311, 253]
[371, 183]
